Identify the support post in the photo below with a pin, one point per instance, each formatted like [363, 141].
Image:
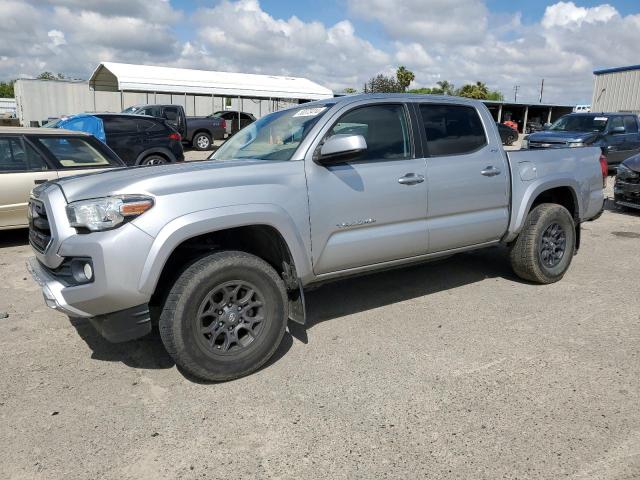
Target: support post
[121, 100]
[526, 115]
[549, 116]
[239, 107]
[500, 114]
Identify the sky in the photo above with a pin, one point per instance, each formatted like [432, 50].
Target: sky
[337, 43]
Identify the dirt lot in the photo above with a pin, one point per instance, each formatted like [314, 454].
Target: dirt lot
[454, 369]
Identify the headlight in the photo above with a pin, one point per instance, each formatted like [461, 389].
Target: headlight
[105, 213]
[625, 172]
[576, 144]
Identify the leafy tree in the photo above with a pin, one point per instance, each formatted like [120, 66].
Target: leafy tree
[479, 91]
[50, 76]
[423, 91]
[350, 90]
[382, 84]
[445, 88]
[404, 77]
[6, 89]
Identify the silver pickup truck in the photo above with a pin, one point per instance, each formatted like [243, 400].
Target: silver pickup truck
[219, 253]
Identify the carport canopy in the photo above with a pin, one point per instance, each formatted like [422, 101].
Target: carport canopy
[112, 77]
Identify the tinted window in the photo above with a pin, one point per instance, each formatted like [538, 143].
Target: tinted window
[149, 126]
[615, 122]
[18, 156]
[631, 124]
[384, 127]
[74, 152]
[452, 129]
[244, 116]
[119, 124]
[171, 113]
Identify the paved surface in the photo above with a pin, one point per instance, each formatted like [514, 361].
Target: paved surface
[453, 370]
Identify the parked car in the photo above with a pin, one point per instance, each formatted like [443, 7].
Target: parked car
[224, 249]
[198, 132]
[31, 156]
[615, 133]
[533, 127]
[626, 189]
[507, 134]
[235, 120]
[137, 139]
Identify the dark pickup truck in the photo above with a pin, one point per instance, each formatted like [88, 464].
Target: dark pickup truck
[615, 133]
[198, 132]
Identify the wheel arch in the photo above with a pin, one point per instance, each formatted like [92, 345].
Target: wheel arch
[165, 152]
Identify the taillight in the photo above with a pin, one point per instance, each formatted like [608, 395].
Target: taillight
[604, 166]
[175, 136]
[224, 124]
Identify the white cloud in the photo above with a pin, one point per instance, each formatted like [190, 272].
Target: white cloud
[457, 40]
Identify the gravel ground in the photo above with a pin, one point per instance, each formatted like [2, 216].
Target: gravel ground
[454, 369]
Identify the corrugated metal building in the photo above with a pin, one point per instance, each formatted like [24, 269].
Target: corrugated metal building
[116, 86]
[617, 90]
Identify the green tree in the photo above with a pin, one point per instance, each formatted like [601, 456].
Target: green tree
[422, 91]
[6, 89]
[479, 91]
[382, 84]
[445, 88]
[404, 77]
[50, 76]
[350, 91]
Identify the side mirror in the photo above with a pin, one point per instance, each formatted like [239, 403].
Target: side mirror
[617, 130]
[340, 148]
[546, 126]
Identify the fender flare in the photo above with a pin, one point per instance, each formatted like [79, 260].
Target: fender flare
[532, 191]
[222, 218]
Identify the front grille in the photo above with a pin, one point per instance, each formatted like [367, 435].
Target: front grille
[39, 229]
[547, 144]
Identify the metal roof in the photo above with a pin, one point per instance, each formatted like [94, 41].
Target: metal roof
[109, 76]
[616, 69]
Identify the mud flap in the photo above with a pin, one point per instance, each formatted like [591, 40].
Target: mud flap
[297, 309]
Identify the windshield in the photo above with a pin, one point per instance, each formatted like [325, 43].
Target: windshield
[273, 137]
[580, 123]
[132, 109]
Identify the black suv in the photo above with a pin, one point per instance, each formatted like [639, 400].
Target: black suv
[142, 140]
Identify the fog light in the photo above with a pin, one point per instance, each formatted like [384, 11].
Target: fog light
[82, 270]
[88, 271]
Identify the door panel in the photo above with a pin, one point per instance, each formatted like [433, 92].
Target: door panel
[14, 195]
[360, 213]
[467, 178]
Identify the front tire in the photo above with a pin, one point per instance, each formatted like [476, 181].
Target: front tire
[545, 247]
[154, 159]
[225, 316]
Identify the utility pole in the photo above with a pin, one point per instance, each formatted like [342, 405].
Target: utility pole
[515, 92]
[541, 89]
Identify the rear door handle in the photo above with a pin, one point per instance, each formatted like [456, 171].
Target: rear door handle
[490, 171]
[411, 179]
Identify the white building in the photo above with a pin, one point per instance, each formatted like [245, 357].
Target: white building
[116, 86]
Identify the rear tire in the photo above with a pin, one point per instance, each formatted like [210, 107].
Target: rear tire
[545, 247]
[217, 335]
[202, 141]
[154, 159]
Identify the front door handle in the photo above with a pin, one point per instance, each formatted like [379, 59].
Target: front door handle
[40, 181]
[490, 171]
[411, 179]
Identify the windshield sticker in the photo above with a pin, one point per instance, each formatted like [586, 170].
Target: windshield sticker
[601, 119]
[310, 112]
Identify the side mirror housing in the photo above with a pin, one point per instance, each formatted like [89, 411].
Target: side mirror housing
[617, 130]
[546, 126]
[340, 148]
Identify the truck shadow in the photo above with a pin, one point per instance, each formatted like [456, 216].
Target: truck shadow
[14, 238]
[329, 302]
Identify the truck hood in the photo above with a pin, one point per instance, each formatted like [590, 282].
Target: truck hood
[157, 180]
[633, 163]
[565, 137]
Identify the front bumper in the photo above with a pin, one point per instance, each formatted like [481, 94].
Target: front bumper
[119, 326]
[627, 194]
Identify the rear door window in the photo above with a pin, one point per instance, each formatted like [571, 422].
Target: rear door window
[119, 125]
[16, 155]
[631, 124]
[74, 152]
[615, 122]
[452, 129]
